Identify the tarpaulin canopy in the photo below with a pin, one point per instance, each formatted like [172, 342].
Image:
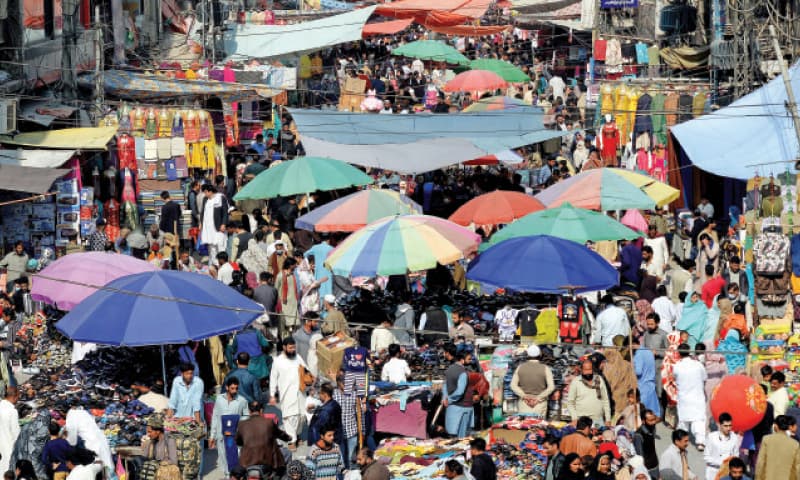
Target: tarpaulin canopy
[35, 158]
[264, 41]
[470, 30]
[95, 138]
[386, 28]
[29, 179]
[753, 134]
[139, 86]
[442, 13]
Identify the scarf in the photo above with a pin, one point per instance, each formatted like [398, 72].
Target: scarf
[594, 384]
[693, 320]
[285, 287]
[732, 344]
[712, 322]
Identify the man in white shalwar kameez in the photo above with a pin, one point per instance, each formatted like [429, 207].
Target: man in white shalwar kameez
[690, 378]
[81, 425]
[9, 427]
[210, 233]
[285, 390]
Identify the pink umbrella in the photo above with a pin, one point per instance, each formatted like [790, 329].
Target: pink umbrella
[475, 81]
[70, 279]
[634, 220]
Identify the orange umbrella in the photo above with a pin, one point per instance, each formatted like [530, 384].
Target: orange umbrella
[475, 81]
[496, 208]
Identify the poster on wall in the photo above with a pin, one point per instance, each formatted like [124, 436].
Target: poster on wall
[619, 4]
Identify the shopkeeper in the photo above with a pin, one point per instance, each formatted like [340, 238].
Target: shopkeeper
[458, 418]
[157, 444]
[185, 400]
[15, 263]
[533, 383]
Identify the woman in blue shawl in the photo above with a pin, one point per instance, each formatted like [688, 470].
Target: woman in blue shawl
[736, 361]
[693, 319]
[710, 330]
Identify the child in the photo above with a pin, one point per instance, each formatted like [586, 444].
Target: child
[54, 454]
[684, 336]
[631, 413]
[700, 352]
[609, 444]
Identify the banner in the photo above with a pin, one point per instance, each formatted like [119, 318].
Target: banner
[619, 3]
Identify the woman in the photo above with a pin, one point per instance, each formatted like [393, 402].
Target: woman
[601, 468]
[620, 377]
[670, 389]
[572, 468]
[309, 287]
[24, 470]
[711, 328]
[693, 318]
[286, 285]
[735, 360]
[708, 254]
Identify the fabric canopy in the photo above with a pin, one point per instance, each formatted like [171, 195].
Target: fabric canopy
[735, 140]
[263, 41]
[35, 158]
[28, 179]
[137, 86]
[442, 13]
[470, 30]
[94, 138]
[386, 28]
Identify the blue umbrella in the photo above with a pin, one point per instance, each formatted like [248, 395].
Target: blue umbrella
[544, 264]
[158, 308]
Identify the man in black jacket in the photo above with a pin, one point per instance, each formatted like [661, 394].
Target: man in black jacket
[644, 441]
[555, 459]
[482, 465]
[170, 215]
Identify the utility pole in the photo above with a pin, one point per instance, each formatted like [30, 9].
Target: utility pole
[99, 68]
[118, 28]
[791, 105]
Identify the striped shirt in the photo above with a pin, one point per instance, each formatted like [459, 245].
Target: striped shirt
[325, 464]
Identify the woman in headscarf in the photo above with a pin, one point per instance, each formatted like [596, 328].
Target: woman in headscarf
[255, 260]
[309, 287]
[708, 254]
[572, 468]
[601, 468]
[734, 360]
[693, 318]
[716, 370]
[725, 313]
[671, 357]
[643, 308]
[620, 377]
[711, 328]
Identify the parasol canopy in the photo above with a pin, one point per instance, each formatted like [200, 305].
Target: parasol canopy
[356, 210]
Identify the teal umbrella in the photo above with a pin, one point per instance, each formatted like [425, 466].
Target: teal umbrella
[508, 71]
[431, 50]
[567, 222]
[303, 175]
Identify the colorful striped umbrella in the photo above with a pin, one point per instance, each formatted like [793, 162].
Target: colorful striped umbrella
[475, 81]
[496, 208]
[609, 189]
[508, 71]
[497, 102]
[401, 244]
[356, 210]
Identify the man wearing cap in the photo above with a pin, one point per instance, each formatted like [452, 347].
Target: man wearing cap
[533, 383]
[96, 241]
[157, 444]
[334, 321]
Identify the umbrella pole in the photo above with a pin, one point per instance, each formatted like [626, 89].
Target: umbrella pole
[164, 371]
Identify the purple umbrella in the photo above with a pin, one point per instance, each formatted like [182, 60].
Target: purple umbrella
[70, 279]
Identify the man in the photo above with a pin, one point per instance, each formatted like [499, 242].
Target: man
[681, 280]
[321, 251]
[482, 464]
[186, 395]
[193, 202]
[328, 413]
[171, 214]
[714, 285]
[9, 427]
[225, 269]
[611, 322]
[583, 396]
[349, 401]
[257, 436]
[458, 418]
[644, 441]
[370, 469]
[334, 321]
[214, 216]
[96, 241]
[81, 427]
[248, 385]
[533, 383]
[396, 369]
[674, 464]
[15, 264]
[665, 309]
[276, 235]
[736, 470]
[240, 239]
[285, 391]
[325, 458]
[454, 470]
[382, 336]
[150, 396]
[157, 444]
[226, 405]
[302, 336]
[706, 208]
[658, 250]
[779, 456]
[580, 442]
[267, 295]
[655, 340]
[54, 453]
[555, 459]
[720, 446]
[461, 329]
[778, 397]
[630, 263]
[258, 145]
[648, 263]
[735, 274]
[690, 378]
[387, 108]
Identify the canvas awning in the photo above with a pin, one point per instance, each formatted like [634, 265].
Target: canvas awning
[753, 135]
[35, 158]
[29, 179]
[442, 13]
[266, 41]
[95, 138]
[386, 28]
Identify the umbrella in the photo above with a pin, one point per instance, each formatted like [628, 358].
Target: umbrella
[431, 50]
[67, 281]
[495, 208]
[508, 71]
[159, 308]
[303, 175]
[633, 219]
[356, 210]
[608, 189]
[542, 264]
[506, 156]
[576, 224]
[497, 102]
[474, 81]
[401, 244]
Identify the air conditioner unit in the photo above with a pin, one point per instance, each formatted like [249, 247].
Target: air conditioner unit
[8, 115]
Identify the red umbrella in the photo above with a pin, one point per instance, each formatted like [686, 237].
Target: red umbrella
[496, 208]
[475, 81]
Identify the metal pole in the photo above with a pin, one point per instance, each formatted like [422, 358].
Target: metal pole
[99, 84]
[118, 26]
[164, 372]
[213, 33]
[791, 105]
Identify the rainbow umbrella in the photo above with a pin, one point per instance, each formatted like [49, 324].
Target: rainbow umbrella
[508, 71]
[497, 102]
[356, 210]
[496, 208]
[401, 244]
[475, 81]
[609, 189]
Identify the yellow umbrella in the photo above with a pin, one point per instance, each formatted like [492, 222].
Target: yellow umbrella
[660, 192]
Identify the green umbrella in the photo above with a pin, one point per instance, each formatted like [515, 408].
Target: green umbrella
[303, 175]
[567, 222]
[431, 50]
[508, 71]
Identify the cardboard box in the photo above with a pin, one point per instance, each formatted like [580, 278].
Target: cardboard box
[330, 351]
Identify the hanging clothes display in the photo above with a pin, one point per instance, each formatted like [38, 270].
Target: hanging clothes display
[671, 108]
[613, 53]
[600, 47]
[659, 119]
[643, 123]
[608, 143]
